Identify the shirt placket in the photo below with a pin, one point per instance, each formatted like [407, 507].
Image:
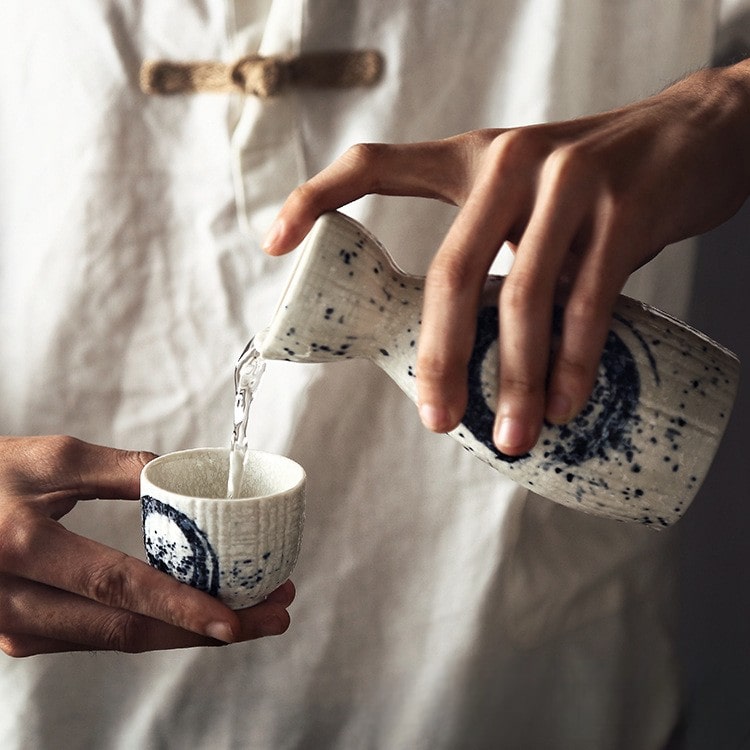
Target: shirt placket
[264, 118]
[268, 159]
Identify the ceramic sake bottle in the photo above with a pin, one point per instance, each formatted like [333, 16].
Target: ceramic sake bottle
[637, 452]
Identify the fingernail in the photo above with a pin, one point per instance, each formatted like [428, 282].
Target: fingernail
[220, 631]
[433, 417]
[273, 236]
[558, 408]
[510, 434]
[272, 626]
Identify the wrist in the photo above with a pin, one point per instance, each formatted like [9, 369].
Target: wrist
[736, 88]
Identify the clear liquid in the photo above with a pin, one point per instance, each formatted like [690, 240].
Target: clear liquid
[247, 375]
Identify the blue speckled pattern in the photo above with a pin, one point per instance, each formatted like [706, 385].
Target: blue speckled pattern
[637, 452]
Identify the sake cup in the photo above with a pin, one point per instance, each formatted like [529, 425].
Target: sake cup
[237, 549]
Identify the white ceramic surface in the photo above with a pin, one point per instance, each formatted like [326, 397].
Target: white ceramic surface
[237, 549]
[638, 451]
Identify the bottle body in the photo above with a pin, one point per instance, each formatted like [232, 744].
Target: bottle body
[638, 451]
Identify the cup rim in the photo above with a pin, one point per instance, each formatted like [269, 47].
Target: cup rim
[182, 455]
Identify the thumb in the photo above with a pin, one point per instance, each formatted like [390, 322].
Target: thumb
[109, 472]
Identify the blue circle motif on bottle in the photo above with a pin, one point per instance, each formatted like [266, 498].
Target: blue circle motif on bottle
[603, 426]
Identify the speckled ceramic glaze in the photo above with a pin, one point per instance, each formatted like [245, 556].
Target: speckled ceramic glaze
[638, 451]
[239, 549]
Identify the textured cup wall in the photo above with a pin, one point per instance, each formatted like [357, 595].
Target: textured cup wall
[237, 549]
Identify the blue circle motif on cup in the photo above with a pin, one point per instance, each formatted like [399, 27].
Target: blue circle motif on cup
[176, 545]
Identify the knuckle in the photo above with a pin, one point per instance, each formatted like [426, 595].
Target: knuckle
[576, 378]
[481, 138]
[521, 295]
[143, 457]
[9, 605]
[568, 163]
[54, 456]
[577, 362]
[582, 309]
[108, 583]
[364, 156]
[467, 156]
[478, 145]
[303, 198]
[514, 148]
[35, 466]
[365, 160]
[122, 631]
[574, 169]
[450, 274]
[133, 461]
[433, 368]
[621, 216]
[520, 386]
[21, 536]
[15, 646]
[575, 371]
[14, 619]
[60, 450]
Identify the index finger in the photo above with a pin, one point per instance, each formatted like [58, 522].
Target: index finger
[428, 170]
[38, 619]
[497, 202]
[40, 549]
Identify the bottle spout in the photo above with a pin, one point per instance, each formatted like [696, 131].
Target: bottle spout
[340, 297]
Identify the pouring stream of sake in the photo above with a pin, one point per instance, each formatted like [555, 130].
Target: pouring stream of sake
[247, 375]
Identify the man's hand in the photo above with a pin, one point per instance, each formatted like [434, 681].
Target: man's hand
[62, 592]
[584, 202]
